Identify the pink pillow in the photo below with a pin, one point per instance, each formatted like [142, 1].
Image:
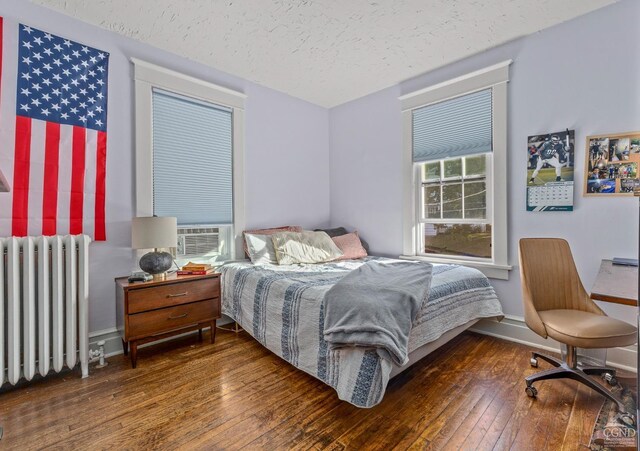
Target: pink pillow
[350, 245]
[270, 231]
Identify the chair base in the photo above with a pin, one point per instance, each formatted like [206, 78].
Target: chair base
[581, 374]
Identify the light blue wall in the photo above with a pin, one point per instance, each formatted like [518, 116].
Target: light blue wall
[286, 149]
[581, 75]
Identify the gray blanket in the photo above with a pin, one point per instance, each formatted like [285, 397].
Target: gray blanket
[376, 305]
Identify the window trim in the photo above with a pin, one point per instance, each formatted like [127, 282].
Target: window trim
[148, 76]
[495, 77]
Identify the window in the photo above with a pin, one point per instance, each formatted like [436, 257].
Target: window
[189, 160]
[455, 160]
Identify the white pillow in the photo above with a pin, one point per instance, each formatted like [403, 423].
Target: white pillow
[293, 248]
[260, 249]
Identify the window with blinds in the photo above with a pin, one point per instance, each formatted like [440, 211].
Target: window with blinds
[452, 145]
[192, 160]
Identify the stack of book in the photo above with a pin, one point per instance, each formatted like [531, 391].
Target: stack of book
[196, 269]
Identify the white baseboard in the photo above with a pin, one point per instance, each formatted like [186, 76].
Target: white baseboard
[513, 328]
[113, 342]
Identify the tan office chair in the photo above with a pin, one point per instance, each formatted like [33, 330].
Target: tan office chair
[556, 305]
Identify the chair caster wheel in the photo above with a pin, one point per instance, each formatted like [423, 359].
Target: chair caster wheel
[610, 379]
[627, 419]
[531, 391]
[533, 362]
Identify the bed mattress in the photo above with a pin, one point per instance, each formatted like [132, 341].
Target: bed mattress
[281, 307]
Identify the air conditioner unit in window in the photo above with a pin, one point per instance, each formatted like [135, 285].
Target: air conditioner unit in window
[197, 241]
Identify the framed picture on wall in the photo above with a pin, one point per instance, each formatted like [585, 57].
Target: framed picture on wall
[612, 164]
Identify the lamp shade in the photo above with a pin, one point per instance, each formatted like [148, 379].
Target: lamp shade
[153, 232]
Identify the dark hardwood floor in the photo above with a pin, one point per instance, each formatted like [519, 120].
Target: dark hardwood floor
[234, 394]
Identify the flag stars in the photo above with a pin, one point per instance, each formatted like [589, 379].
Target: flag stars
[60, 80]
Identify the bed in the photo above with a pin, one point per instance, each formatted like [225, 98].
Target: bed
[282, 308]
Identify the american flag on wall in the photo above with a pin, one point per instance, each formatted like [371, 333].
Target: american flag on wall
[53, 134]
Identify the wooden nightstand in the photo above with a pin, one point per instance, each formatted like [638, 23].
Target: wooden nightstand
[150, 311]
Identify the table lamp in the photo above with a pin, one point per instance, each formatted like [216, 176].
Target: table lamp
[154, 233]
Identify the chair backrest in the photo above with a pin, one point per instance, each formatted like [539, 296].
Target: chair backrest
[550, 279]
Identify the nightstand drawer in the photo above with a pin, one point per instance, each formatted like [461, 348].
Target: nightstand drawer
[160, 296]
[163, 320]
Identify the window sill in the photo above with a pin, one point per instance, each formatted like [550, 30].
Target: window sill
[491, 270]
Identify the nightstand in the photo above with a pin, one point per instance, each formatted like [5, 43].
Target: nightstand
[150, 311]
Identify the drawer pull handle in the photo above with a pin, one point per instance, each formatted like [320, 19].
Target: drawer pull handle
[184, 315]
[177, 295]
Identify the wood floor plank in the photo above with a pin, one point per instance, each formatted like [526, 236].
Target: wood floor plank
[235, 394]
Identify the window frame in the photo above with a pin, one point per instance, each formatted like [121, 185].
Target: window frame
[495, 78]
[148, 76]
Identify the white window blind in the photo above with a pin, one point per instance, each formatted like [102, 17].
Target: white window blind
[453, 128]
[192, 160]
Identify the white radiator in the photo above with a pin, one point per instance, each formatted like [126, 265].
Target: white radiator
[44, 305]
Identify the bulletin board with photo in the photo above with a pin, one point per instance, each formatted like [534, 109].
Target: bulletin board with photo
[612, 164]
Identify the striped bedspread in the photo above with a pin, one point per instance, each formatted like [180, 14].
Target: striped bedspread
[281, 307]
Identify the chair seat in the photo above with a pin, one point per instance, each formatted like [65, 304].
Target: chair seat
[587, 330]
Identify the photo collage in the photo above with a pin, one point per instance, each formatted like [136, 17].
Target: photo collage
[612, 164]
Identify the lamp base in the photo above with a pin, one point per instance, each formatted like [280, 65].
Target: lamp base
[160, 277]
[156, 263]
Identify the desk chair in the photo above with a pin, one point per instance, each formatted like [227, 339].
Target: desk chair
[556, 305]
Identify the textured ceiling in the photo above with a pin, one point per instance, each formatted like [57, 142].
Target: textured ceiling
[325, 51]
